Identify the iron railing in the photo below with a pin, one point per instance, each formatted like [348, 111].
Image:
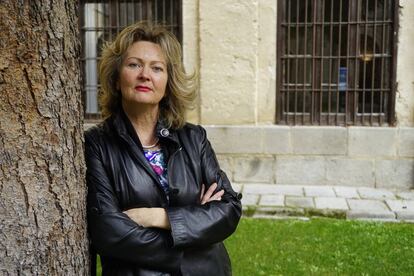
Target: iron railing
[337, 61]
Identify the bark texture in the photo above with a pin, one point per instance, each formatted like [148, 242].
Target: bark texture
[42, 187]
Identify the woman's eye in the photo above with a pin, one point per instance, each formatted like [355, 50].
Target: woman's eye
[133, 65]
[158, 69]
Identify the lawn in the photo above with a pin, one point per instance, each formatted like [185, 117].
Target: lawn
[321, 247]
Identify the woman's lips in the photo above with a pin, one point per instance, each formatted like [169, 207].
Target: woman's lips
[142, 88]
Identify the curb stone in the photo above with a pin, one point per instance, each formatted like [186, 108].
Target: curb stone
[300, 201]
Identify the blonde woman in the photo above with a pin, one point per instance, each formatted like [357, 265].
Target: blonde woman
[158, 203]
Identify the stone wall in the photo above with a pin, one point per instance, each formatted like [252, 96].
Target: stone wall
[337, 156]
[232, 43]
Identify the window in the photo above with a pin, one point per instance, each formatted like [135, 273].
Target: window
[337, 62]
[102, 20]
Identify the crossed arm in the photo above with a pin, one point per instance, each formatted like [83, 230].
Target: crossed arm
[158, 218]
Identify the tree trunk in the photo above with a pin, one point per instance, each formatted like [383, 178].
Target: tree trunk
[42, 186]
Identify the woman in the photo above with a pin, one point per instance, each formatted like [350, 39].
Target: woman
[158, 203]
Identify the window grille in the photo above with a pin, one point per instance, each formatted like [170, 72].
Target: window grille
[102, 20]
[337, 61]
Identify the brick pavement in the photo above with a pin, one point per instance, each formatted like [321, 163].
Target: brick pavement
[363, 203]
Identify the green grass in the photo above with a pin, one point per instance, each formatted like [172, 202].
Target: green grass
[321, 247]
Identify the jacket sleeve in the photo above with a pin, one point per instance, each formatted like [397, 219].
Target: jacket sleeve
[112, 232]
[199, 225]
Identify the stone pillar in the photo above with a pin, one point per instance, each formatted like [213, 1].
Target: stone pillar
[404, 106]
[228, 61]
[191, 49]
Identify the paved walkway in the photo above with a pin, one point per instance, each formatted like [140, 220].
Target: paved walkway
[270, 200]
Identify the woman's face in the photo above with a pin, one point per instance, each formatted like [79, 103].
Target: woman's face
[143, 75]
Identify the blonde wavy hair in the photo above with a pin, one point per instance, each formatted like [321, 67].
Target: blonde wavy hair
[181, 88]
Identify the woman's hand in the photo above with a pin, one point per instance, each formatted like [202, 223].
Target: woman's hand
[149, 217]
[208, 195]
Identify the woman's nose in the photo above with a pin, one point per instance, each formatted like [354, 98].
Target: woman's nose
[144, 73]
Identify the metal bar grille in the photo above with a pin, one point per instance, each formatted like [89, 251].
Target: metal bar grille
[101, 20]
[337, 60]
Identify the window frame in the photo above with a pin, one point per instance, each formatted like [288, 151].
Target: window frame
[315, 116]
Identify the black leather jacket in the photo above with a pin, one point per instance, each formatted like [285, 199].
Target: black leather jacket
[119, 178]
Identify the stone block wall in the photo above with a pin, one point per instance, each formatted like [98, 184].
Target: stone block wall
[232, 44]
[335, 156]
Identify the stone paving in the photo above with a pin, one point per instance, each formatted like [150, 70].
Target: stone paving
[364, 203]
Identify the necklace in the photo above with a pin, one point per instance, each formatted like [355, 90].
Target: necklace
[151, 146]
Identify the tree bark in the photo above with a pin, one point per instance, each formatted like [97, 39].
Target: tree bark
[42, 186]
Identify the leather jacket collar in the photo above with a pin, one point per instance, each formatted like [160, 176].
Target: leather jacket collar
[124, 128]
